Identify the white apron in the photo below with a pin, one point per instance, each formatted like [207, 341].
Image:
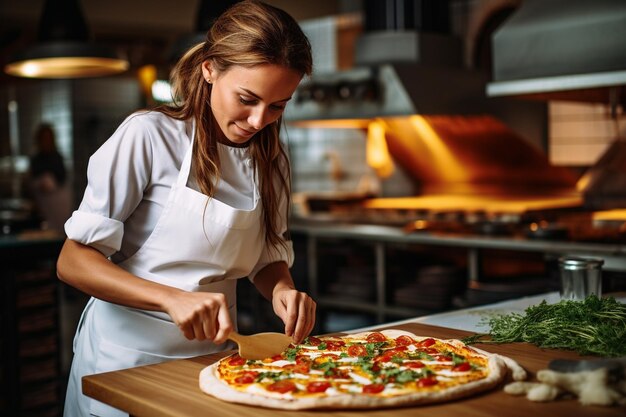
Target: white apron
[178, 253]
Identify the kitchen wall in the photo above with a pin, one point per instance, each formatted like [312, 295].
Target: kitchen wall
[581, 132]
[333, 161]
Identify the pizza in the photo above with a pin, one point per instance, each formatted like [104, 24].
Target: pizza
[365, 370]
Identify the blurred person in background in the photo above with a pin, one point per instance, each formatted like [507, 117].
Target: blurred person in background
[48, 180]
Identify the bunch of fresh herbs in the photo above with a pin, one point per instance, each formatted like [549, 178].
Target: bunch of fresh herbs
[594, 326]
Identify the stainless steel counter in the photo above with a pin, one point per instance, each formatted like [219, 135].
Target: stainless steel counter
[614, 254]
[470, 319]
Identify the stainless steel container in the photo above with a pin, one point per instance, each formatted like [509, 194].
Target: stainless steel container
[580, 277]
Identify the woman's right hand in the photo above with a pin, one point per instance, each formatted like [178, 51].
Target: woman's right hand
[201, 315]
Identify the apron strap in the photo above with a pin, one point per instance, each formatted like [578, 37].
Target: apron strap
[185, 168]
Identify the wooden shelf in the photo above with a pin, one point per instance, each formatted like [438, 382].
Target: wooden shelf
[31, 383]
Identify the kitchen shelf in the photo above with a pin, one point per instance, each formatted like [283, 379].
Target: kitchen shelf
[380, 240]
[31, 383]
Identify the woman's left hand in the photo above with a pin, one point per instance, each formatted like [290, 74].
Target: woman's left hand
[297, 311]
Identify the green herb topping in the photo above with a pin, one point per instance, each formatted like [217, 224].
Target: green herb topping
[594, 326]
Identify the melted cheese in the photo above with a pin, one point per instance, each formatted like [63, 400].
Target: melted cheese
[359, 379]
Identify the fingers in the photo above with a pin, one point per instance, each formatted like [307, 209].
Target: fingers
[301, 324]
[224, 325]
[312, 316]
[198, 329]
[298, 315]
[204, 316]
[187, 330]
[308, 320]
[290, 316]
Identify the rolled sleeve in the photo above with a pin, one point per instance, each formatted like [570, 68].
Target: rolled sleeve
[100, 232]
[117, 175]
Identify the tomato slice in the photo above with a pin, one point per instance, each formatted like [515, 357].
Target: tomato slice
[414, 364]
[236, 360]
[300, 368]
[324, 356]
[375, 337]
[373, 388]
[404, 341]
[334, 345]
[462, 367]
[357, 350]
[318, 386]
[303, 359]
[388, 355]
[313, 341]
[247, 377]
[429, 381]
[282, 386]
[426, 342]
[385, 357]
[444, 358]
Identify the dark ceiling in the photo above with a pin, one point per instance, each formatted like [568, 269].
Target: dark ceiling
[141, 30]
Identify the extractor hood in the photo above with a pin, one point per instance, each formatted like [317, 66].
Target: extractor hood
[571, 50]
[406, 62]
[390, 89]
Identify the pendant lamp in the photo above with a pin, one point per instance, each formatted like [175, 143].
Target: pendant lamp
[63, 49]
[208, 11]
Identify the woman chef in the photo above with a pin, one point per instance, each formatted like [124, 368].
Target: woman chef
[183, 200]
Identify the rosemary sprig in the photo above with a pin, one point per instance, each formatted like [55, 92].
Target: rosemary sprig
[594, 326]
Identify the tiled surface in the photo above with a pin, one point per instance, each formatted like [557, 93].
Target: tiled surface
[333, 160]
[581, 132]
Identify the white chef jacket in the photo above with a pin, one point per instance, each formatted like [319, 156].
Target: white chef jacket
[137, 204]
[129, 180]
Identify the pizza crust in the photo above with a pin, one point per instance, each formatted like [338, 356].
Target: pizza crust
[212, 384]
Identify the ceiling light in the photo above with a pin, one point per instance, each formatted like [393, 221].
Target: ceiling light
[208, 11]
[63, 49]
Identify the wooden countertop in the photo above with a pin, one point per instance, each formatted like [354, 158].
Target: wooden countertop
[171, 389]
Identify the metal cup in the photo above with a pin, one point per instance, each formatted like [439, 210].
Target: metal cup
[580, 277]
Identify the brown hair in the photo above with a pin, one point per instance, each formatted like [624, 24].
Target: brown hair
[248, 34]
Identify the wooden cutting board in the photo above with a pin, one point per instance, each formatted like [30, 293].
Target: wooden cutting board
[170, 389]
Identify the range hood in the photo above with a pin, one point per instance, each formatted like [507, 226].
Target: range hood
[571, 50]
[389, 89]
[406, 62]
